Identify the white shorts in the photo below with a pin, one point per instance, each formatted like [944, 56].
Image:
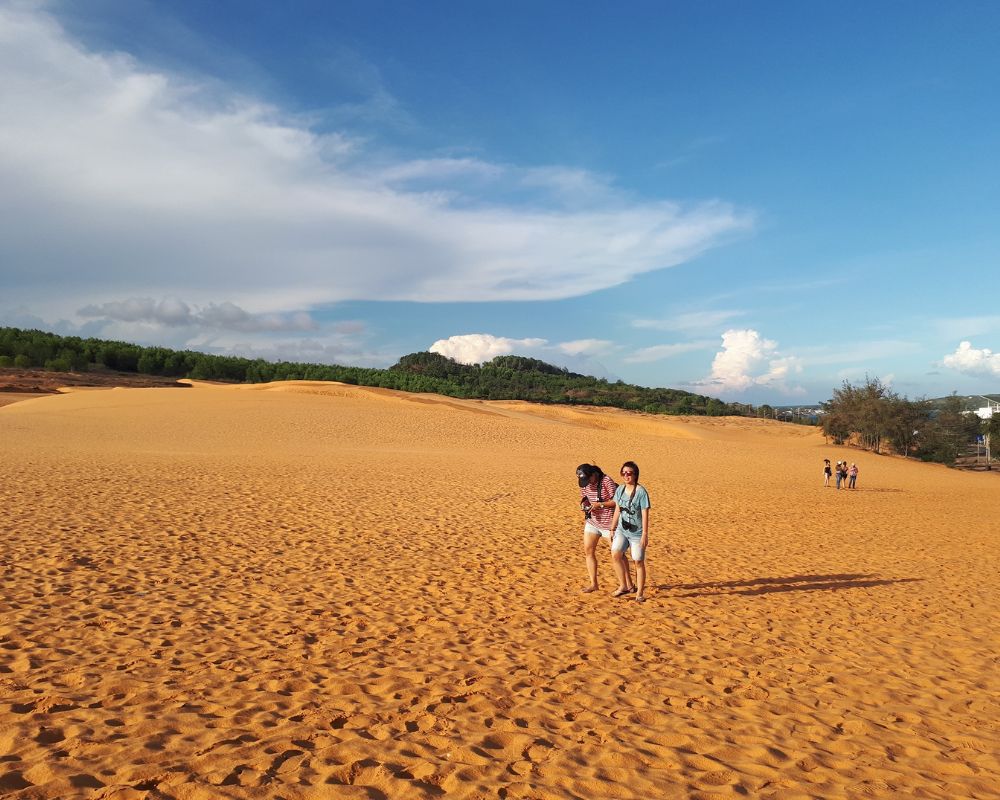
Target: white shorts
[590, 527]
[622, 543]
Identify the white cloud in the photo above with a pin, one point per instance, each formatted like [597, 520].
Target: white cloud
[120, 181]
[691, 321]
[971, 361]
[475, 348]
[747, 360]
[576, 356]
[661, 351]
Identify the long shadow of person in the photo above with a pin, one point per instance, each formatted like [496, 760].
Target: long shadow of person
[790, 583]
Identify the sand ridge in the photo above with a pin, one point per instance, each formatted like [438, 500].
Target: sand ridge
[311, 590]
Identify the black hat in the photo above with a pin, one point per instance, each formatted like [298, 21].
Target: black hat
[583, 473]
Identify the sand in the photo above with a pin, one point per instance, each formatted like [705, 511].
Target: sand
[321, 591]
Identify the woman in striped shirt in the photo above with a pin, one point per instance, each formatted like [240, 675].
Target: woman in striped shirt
[597, 492]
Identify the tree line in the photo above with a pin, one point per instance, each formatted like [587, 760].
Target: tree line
[503, 378]
[876, 418]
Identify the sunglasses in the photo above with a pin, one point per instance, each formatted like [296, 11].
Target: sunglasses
[627, 473]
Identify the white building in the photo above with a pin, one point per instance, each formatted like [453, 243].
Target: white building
[987, 411]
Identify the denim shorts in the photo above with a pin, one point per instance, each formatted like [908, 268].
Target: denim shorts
[623, 542]
[590, 527]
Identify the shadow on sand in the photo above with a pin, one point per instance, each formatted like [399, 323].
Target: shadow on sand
[792, 583]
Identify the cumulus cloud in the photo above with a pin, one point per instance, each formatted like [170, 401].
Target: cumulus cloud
[118, 180]
[176, 313]
[971, 361]
[475, 348]
[746, 360]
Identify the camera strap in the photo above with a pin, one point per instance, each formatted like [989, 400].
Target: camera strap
[630, 508]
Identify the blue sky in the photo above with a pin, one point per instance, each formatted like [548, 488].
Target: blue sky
[752, 201]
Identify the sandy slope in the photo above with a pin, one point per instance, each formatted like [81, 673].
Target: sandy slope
[313, 590]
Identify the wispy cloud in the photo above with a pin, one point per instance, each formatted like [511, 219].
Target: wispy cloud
[172, 312]
[689, 152]
[692, 321]
[586, 346]
[793, 287]
[371, 102]
[119, 181]
[439, 169]
[858, 352]
[958, 327]
[661, 351]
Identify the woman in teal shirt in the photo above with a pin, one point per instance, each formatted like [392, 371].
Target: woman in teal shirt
[630, 525]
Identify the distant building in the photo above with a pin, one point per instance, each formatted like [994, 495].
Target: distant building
[987, 411]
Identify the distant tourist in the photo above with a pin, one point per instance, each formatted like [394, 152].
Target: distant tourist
[597, 492]
[843, 474]
[852, 476]
[631, 527]
[827, 471]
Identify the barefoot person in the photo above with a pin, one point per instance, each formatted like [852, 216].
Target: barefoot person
[631, 526]
[597, 492]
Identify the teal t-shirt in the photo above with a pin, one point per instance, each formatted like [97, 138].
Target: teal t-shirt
[631, 508]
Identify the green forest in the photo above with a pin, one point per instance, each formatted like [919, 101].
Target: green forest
[503, 378]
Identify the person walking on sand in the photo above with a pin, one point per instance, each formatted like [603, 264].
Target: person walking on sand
[597, 492]
[827, 472]
[836, 473]
[843, 474]
[631, 526]
[852, 476]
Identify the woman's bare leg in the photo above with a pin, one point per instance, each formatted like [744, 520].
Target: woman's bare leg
[618, 560]
[590, 541]
[640, 579]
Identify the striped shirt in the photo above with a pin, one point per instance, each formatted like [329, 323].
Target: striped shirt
[601, 517]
